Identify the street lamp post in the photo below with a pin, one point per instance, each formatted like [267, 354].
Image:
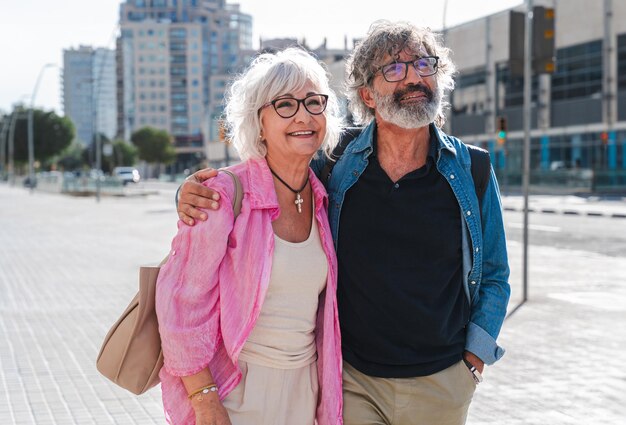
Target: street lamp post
[31, 136]
[3, 145]
[11, 168]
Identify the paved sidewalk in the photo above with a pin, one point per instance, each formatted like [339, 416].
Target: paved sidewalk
[68, 267]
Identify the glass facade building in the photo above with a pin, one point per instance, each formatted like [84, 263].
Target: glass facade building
[578, 112]
[89, 91]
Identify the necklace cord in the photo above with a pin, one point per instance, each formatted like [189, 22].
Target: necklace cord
[289, 187]
[299, 199]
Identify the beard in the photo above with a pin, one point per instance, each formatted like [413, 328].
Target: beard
[414, 115]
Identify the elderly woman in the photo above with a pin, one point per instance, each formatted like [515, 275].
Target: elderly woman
[247, 307]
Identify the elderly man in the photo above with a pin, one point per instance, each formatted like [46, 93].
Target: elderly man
[423, 270]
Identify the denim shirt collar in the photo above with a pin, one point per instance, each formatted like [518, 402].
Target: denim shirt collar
[365, 142]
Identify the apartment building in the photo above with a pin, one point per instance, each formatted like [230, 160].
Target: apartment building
[170, 52]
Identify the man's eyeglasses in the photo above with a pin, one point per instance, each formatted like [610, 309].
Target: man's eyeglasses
[397, 71]
[287, 107]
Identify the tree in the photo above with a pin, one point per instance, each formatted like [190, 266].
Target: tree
[71, 159]
[51, 135]
[124, 154]
[121, 154]
[89, 154]
[154, 146]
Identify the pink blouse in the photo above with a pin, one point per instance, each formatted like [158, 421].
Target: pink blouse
[210, 292]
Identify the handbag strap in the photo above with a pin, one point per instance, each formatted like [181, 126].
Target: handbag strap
[238, 192]
[236, 200]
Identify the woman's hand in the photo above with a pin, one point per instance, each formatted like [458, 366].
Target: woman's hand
[209, 410]
[193, 195]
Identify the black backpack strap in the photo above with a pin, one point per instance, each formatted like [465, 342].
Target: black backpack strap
[347, 135]
[481, 170]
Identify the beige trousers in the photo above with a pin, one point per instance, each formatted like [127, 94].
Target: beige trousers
[439, 399]
[269, 396]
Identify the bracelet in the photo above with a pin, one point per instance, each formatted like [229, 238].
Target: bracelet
[202, 391]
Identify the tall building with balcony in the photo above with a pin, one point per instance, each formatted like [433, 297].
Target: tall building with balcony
[89, 91]
[170, 52]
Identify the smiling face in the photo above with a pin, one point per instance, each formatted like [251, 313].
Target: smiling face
[413, 102]
[297, 137]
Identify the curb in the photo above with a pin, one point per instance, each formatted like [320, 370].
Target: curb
[567, 212]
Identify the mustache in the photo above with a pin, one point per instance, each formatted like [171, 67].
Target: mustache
[412, 89]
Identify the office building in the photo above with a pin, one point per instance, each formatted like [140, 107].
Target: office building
[578, 114]
[89, 91]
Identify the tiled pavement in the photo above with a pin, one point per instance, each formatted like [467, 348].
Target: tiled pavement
[68, 267]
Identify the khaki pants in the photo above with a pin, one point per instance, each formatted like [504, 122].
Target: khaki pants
[439, 399]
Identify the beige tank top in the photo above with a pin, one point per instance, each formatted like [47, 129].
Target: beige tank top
[284, 334]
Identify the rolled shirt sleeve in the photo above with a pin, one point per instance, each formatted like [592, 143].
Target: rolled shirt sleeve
[187, 292]
[490, 303]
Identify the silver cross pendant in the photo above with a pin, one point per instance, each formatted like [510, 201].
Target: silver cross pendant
[298, 202]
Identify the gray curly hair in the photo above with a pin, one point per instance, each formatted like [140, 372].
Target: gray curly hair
[388, 39]
[268, 76]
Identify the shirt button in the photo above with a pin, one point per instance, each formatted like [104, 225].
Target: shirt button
[473, 282]
[451, 176]
[469, 213]
[396, 185]
[173, 252]
[477, 249]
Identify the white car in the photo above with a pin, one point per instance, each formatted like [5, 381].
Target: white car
[126, 175]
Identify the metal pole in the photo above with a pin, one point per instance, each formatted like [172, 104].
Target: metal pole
[3, 145]
[96, 139]
[95, 94]
[11, 169]
[98, 165]
[527, 118]
[31, 136]
[31, 149]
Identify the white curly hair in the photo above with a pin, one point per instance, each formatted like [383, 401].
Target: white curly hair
[269, 76]
[387, 39]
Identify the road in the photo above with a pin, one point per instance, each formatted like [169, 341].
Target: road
[601, 235]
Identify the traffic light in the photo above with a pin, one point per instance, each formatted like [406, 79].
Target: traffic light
[501, 130]
[604, 136]
[543, 40]
[542, 45]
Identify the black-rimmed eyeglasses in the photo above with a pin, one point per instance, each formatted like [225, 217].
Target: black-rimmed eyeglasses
[288, 106]
[397, 71]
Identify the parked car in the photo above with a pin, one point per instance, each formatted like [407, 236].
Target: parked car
[126, 175]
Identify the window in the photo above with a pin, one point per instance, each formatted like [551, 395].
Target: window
[471, 79]
[178, 33]
[621, 62]
[578, 71]
[510, 88]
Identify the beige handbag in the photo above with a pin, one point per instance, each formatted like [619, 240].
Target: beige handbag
[131, 354]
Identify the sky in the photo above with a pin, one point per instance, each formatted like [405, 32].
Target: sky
[34, 33]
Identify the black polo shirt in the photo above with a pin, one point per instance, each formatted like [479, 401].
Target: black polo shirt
[402, 307]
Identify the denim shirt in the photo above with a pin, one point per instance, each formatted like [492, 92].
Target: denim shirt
[485, 263]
